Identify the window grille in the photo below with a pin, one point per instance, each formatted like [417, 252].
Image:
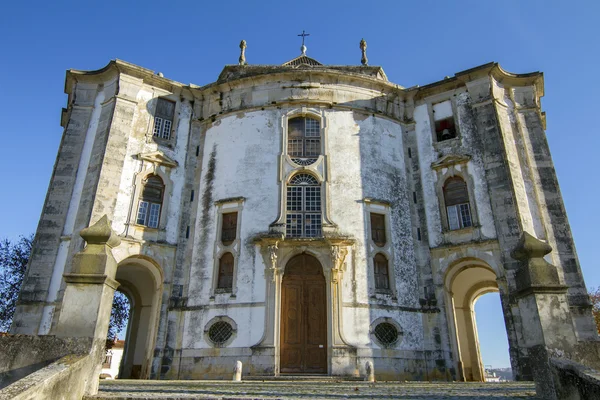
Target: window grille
[225, 278]
[220, 332]
[378, 229]
[163, 119]
[229, 228]
[456, 197]
[386, 334]
[303, 217]
[304, 140]
[150, 202]
[381, 272]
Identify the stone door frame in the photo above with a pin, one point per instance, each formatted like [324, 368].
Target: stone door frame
[331, 254]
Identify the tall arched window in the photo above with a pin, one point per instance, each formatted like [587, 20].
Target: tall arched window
[303, 217]
[304, 139]
[456, 198]
[381, 273]
[150, 202]
[225, 278]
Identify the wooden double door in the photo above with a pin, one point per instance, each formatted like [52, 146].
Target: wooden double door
[303, 317]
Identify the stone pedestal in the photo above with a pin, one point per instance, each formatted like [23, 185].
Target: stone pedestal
[548, 327]
[87, 302]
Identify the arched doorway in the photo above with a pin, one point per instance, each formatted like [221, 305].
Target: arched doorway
[465, 282]
[303, 317]
[141, 282]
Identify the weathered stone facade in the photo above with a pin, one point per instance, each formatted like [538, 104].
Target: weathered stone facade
[380, 153]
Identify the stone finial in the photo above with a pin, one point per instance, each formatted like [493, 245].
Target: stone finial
[237, 371]
[530, 247]
[370, 372]
[363, 46]
[535, 273]
[242, 59]
[101, 233]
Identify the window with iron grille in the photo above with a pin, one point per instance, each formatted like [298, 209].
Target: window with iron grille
[456, 199]
[381, 272]
[150, 202]
[163, 119]
[229, 228]
[220, 332]
[386, 334]
[303, 212]
[304, 140]
[225, 278]
[378, 229]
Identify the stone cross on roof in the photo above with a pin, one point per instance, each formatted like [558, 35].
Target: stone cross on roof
[303, 47]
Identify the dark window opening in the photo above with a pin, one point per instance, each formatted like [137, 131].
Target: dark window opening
[225, 279]
[229, 228]
[382, 279]
[378, 229]
[445, 129]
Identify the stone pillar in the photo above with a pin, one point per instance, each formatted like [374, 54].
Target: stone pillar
[547, 329]
[88, 297]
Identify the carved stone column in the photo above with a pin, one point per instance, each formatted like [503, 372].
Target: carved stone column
[88, 297]
[547, 327]
[270, 337]
[338, 256]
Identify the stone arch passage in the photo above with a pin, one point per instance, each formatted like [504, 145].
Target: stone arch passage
[465, 282]
[139, 280]
[303, 317]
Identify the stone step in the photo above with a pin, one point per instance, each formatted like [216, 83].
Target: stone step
[304, 377]
[309, 389]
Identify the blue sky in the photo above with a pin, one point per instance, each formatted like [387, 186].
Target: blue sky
[416, 42]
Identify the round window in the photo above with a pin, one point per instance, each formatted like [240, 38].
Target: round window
[220, 332]
[386, 333]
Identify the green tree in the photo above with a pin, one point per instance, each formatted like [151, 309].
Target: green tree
[13, 264]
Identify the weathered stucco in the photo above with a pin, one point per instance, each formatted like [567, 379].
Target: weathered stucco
[380, 154]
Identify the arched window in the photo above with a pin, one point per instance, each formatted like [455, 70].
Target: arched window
[225, 279]
[303, 217]
[150, 202]
[304, 138]
[381, 272]
[456, 199]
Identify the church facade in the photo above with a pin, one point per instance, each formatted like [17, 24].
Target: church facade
[305, 218]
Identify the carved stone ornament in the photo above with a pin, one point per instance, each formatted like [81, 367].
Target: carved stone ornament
[338, 255]
[273, 270]
[101, 233]
[158, 158]
[363, 46]
[242, 59]
[450, 160]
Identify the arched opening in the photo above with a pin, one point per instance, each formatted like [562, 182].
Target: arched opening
[465, 282]
[141, 282]
[117, 329]
[303, 317]
[493, 341]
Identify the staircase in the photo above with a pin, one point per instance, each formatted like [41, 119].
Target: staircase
[312, 388]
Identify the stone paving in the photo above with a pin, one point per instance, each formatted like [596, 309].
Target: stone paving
[331, 389]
